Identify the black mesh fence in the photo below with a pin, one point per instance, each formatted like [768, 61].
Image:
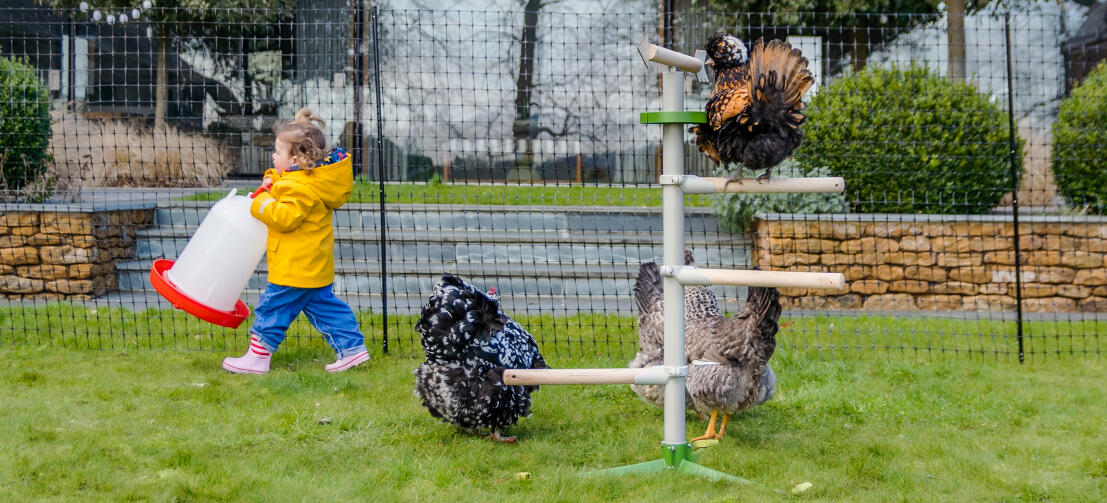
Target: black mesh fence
[506, 147]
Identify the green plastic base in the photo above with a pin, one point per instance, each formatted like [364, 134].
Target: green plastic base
[677, 117]
[678, 459]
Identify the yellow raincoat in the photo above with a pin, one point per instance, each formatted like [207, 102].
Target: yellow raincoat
[298, 210]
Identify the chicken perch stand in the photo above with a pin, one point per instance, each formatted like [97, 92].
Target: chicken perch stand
[676, 451]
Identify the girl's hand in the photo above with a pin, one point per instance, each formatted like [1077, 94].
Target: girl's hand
[266, 183]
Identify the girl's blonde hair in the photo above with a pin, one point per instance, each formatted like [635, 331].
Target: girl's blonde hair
[305, 140]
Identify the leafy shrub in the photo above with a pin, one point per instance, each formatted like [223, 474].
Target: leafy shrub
[1080, 141]
[907, 140]
[735, 211]
[24, 125]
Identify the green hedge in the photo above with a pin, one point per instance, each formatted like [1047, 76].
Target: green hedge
[24, 124]
[1080, 143]
[909, 141]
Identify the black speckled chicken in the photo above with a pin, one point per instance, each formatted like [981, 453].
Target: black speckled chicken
[755, 110]
[469, 342]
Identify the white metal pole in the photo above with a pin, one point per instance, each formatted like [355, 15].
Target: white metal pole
[672, 201]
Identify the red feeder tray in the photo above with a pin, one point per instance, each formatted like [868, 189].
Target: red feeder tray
[182, 301]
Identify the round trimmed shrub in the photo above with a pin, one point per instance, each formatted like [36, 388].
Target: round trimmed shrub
[910, 141]
[1080, 141]
[24, 124]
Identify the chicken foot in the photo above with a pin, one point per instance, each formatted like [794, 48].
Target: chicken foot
[710, 433]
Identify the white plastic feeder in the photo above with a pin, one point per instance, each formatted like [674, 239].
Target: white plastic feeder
[216, 264]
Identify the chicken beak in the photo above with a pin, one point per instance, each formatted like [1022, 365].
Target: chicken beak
[709, 62]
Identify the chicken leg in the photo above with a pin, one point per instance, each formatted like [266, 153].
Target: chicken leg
[710, 433]
[722, 427]
[499, 438]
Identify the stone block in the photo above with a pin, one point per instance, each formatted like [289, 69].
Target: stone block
[791, 259]
[1100, 291]
[1086, 230]
[915, 243]
[1000, 257]
[1030, 242]
[889, 273]
[870, 244]
[813, 245]
[890, 302]
[970, 275]
[910, 258]
[48, 271]
[909, 286]
[68, 255]
[1092, 245]
[868, 287]
[959, 259]
[1049, 305]
[995, 288]
[1048, 274]
[1091, 277]
[51, 239]
[954, 287]
[1074, 291]
[66, 223]
[951, 244]
[17, 284]
[9, 241]
[23, 231]
[1093, 305]
[939, 302]
[1043, 257]
[932, 274]
[18, 219]
[70, 286]
[989, 303]
[23, 255]
[894, 229]
[832, 259]
[1038, 290]
[983, 244]
[1082, 259]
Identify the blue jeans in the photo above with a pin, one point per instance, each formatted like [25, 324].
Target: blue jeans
[279, 305]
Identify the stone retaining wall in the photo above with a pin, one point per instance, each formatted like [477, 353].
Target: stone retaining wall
[57, 252]
[939, 262]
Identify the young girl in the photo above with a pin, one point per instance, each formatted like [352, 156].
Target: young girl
[305, 186]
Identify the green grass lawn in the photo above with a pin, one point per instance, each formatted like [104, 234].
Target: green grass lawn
[463, 193]
[864, 425]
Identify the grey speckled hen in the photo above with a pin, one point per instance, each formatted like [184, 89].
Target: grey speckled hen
[727, 356]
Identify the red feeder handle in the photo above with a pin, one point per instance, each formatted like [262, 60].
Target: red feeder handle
[256, 192]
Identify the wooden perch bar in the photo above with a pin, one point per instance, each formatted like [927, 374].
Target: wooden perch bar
[688, 275]
[691, 184]
[531, 377]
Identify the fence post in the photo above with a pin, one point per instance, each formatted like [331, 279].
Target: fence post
[1015, 175]
[380, 177]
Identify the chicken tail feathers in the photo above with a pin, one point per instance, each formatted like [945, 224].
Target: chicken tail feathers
[778, 79]
[648, 289]
[763, 305]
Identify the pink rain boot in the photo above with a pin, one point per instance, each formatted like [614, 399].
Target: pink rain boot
[348, 362]
[255, 361]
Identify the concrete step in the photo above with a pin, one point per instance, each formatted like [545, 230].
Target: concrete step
[485, 218]
[500, 246]
[418, 278]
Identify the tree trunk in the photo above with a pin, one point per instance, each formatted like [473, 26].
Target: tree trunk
[524, 86]
[955, 35]
[162, 81]
[859, 49]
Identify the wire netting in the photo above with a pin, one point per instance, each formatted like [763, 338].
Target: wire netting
[505, 146]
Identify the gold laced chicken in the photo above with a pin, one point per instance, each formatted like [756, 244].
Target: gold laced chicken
[755, 110]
